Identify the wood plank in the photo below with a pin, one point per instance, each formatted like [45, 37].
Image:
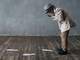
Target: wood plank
[34, 44]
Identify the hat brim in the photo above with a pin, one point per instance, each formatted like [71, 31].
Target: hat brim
[46, 11]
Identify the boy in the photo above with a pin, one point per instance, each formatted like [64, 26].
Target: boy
[64, 25]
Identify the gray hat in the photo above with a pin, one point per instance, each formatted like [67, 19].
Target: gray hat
[46, 7]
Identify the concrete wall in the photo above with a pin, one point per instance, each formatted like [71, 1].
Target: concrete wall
[26, 17]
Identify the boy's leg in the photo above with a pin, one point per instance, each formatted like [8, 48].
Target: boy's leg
[64, 40]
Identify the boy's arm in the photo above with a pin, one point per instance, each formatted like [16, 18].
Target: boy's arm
[59, 16]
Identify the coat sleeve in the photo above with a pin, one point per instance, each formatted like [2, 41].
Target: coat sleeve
[59, 15]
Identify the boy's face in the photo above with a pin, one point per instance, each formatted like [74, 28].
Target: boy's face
[50, 14]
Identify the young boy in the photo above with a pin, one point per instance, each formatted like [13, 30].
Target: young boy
[64, 25]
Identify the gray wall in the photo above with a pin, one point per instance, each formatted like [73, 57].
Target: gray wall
[26, 17]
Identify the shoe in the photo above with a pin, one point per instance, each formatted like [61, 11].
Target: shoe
[61, 51]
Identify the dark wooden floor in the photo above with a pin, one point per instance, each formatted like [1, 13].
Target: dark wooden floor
[37, 48]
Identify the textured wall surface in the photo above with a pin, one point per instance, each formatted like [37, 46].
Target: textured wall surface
[26, 17]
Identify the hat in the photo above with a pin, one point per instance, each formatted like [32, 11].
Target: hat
[46, 7]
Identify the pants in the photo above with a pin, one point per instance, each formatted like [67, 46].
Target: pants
[64, 39]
